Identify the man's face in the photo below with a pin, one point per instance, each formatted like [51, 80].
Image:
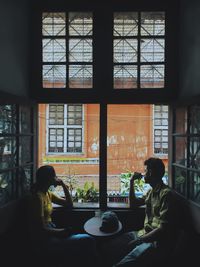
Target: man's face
[147, 174]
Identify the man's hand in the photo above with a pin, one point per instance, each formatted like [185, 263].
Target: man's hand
[135, 176]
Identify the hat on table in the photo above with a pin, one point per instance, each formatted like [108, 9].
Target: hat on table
[107, 224]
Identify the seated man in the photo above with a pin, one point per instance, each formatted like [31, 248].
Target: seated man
[155, 241]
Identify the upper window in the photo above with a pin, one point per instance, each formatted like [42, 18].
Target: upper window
[139, 50]
[67, 50]
[65, 131]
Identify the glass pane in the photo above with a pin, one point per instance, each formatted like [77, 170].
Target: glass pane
[25, 178]
[80, 24]
[80, 50]
[194, 159]
[195, 120]
[7, 119]
[125, 77]
[53, 24]
[160, 142]
[181, 120]
[57, 113]
[125, 50]
[73, 115]
[54, 50]
[6, 187]
[194, 186]
[54, 76]
[78, 163]
[25, 119]
[56, 135]
[80, 76]
[129, 144]
[25, 149]
[74, 147]
[152, 76]
[180, 180]
[180, 150]
[152, 50]
[125, 24]
[152, 23]
[7, 152]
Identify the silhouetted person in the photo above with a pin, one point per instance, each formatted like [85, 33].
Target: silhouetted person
[58, 244]
[155, 242]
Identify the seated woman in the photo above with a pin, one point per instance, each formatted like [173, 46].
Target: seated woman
[60, 243]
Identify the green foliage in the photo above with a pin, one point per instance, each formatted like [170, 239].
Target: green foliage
[3, 183]
[87, 194]
[125, 183]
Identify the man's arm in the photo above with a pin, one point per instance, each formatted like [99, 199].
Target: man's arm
[133, 200]
[152, 236]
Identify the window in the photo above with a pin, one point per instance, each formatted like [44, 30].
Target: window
[67, 50]
[186, 147]
[65, 128]
[129, 144]
[123, 47]
[139, 49]
[16, 151]
[160, 129]
[71, 133]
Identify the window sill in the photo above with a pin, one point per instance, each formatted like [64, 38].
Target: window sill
[93, 206]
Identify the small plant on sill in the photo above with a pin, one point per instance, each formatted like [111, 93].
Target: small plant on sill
[86, 194]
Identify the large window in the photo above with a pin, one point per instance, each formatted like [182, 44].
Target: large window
[129, 138]
[125, 54]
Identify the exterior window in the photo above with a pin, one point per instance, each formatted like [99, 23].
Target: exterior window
[67, 50]
[65, 128]
[160, 129]
[139, 50]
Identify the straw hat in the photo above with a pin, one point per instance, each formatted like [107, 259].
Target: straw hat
[107, 224]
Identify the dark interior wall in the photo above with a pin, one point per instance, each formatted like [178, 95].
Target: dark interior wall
[14, 47]
[189, 49]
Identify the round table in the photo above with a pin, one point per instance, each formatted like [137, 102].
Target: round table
[92, 228]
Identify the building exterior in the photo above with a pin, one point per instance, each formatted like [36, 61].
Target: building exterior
[69, 140]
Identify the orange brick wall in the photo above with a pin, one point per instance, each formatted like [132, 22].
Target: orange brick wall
[129, 140]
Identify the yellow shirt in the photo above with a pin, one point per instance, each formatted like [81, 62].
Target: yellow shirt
[40, 211]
